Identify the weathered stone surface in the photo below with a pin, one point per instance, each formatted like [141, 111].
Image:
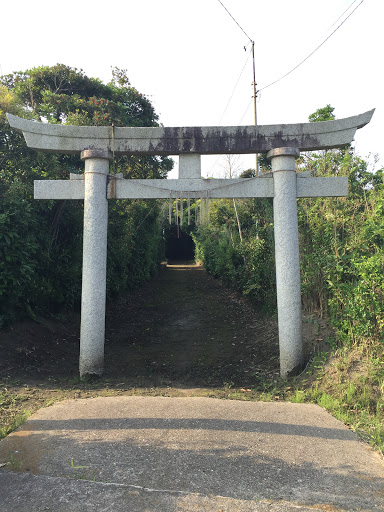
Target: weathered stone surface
[189, 166]
[184, 140]
[93, 297]
[322, 187]
[287, 259]
[217, 188]
[59, 189]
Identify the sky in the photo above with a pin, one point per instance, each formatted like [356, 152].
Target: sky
[194, 61]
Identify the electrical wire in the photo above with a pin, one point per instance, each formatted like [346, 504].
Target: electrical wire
[240, 27]
[246, 62]
[315, 50]
[293, 69]
[245, 111]
[341, 15]
[234, 89]
[254, 68]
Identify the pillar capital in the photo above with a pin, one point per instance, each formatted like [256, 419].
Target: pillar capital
[96, 153]
[283, 152]
[283, 159]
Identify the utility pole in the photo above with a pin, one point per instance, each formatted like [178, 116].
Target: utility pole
[254, 98]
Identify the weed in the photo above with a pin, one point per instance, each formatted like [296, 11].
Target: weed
[82, 475]
[11, 410]
[13, 463]
[77, 467]
[299, 396]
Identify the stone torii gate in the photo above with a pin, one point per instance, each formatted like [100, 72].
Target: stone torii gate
[98, 146]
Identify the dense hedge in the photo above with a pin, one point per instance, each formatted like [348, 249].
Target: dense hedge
[41, 251]
[341, 248]
[342, 256]
[41, 241]
[243, 258]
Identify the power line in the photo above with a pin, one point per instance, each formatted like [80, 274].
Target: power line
[241, 28]
[315, 50]
[254, 69]
[245, 111]
[234, 89]
[289, 72]
[341, 15]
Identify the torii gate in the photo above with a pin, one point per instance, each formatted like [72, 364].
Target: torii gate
[97, 147]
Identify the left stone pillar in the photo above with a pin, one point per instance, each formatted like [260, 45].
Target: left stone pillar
[93, 299]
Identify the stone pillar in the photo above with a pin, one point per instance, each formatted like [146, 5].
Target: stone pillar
[287, 259]
[92, 330]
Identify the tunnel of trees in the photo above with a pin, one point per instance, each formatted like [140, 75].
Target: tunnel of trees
[179, 244]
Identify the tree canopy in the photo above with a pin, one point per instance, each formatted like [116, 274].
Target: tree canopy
[61, 94]
[322, 114]
[65, 95]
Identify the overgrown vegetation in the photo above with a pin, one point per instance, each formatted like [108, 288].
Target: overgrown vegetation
[341, 247]
[245, 263]
[341, 259]
[349, 384]
[41, 241]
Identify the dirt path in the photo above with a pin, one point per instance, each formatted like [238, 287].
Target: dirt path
[182, 334]
[186, 328]
[182, 328]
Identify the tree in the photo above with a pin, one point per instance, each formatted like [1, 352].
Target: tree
[322, 114]
[60, 94]
[41, 241]
[341, 246]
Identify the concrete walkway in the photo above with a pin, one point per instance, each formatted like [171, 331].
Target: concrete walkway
[142, 454]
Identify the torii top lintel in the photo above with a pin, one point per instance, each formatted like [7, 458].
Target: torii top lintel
[189, 140]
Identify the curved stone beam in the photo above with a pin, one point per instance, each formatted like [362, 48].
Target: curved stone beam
[199, 140]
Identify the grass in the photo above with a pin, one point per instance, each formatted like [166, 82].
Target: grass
[346, 382]
[349, 384]
[10, 405]
[15, 421]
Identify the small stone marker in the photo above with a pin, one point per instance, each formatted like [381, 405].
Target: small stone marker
[97, 145]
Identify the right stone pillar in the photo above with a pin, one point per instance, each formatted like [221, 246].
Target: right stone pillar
[287, 259]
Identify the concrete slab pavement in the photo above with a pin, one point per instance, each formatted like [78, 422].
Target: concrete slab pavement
[187, 454]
